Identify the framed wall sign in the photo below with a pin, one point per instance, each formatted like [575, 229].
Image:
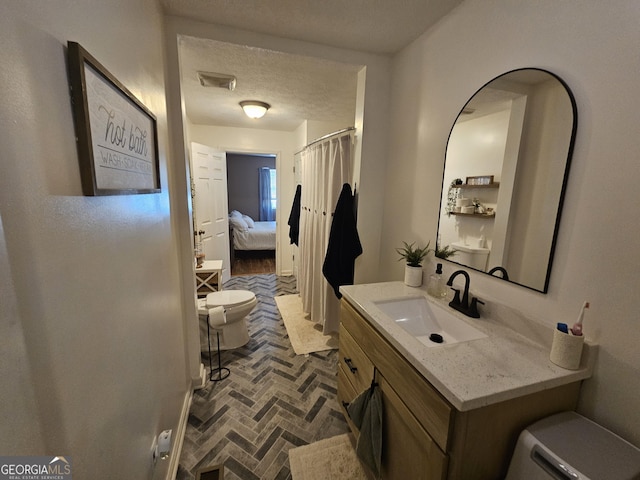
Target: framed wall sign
[116, 134]
[480, 180]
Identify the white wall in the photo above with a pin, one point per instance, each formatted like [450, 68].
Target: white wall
[476, 147]
[316, 129]
[592, 46]
[92, 363]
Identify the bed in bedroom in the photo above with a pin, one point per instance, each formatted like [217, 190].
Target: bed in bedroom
[249, 235]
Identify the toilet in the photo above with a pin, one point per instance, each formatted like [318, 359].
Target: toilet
[237, 304]
[474, 257]
[570, 446]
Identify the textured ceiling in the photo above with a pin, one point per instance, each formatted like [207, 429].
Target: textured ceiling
[298, 88]
[376, 26]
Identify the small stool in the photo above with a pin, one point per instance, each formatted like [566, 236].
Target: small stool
[221, 371]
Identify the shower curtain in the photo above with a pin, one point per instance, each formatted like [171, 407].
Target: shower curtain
[326, 167]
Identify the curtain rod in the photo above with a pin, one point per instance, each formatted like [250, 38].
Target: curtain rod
[324, 137]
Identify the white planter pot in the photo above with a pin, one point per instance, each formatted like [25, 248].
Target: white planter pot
[412, 276]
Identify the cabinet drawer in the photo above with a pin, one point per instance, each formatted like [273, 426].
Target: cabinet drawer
[432, 411]
[354, 361]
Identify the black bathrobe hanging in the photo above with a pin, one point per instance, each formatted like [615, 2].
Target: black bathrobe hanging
[344, 243]
[294, 217]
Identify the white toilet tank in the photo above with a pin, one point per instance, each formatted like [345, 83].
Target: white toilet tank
[570, 446]
[474, 257]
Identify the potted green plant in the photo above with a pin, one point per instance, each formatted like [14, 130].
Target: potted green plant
[413, 257]
[444, 252]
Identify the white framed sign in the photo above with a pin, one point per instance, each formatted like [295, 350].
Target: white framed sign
[116, 134]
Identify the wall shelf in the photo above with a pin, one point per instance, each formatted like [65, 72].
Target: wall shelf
[466, 186]
[483, 215]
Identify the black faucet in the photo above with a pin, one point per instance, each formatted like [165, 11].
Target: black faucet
[463, 306]
[505, 275]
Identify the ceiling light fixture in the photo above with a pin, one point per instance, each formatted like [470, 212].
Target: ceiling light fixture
[254, 108]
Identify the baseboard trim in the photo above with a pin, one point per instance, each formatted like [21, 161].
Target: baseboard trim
[200, 381]
[172, 471]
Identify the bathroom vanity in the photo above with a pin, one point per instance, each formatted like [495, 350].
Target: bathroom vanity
[453, 410]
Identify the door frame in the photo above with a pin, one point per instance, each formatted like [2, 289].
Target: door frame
[250, 151]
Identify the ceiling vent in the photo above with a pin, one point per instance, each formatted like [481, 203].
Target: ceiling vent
[217, 80]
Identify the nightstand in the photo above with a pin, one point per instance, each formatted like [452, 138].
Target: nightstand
[209, 277]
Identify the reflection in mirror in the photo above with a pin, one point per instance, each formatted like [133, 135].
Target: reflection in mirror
[506, 166]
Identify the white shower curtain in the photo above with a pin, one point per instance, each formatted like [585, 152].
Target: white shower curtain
[326, 167]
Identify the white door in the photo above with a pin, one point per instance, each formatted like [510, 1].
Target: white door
[210, 203]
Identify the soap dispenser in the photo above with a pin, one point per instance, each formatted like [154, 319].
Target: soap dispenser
[436, 286]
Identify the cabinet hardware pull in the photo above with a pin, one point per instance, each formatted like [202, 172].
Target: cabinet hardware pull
[350, 365]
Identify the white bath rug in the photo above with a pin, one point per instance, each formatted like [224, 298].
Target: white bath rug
[332, 458]
[305, 335]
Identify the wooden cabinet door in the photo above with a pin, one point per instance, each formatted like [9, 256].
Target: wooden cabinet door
[408, 452]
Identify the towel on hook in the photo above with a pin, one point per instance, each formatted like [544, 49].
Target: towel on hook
[217, 317]
[344, 243]
[294, 217]
[366, 413]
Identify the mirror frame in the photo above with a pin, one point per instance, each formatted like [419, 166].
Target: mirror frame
[570, 149]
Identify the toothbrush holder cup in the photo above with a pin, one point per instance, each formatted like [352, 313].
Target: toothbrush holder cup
[566, 350]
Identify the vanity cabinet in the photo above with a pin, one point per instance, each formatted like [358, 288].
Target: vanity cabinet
[409, 452]
[424, 436]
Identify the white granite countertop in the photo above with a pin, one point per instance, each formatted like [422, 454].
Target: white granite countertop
[513, 360]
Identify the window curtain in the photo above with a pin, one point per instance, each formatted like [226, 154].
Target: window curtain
[326, 167]
[267, 212]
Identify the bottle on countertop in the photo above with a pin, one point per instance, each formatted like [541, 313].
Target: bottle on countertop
[436, 286]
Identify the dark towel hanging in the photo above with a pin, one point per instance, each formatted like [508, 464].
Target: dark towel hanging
[366, 412]
[344, 243]
[294, 217]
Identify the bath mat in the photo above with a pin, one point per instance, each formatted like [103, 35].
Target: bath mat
[305, 335]
[330, 458]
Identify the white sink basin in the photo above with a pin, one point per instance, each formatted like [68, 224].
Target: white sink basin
[421, 318]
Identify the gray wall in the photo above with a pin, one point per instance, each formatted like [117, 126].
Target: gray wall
[243, 182]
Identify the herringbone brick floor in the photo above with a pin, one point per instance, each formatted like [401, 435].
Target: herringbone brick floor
[272, 401]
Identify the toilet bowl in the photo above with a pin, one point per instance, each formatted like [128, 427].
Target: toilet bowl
[234, 333]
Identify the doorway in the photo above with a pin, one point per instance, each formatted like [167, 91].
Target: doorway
[252, 191]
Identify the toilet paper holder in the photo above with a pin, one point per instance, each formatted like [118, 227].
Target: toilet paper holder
[222, 372]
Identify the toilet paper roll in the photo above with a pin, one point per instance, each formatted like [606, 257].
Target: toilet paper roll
[566, 350]
[217, 317]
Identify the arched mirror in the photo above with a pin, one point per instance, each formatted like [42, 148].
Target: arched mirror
[506, 168]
